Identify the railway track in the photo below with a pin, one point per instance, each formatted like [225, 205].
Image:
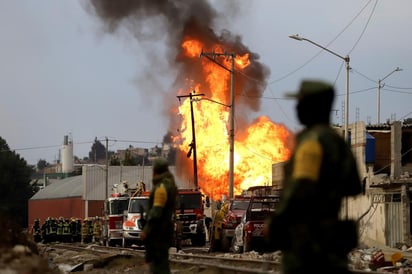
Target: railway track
[186, 261]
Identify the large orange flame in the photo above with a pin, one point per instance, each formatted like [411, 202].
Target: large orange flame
[256, 148]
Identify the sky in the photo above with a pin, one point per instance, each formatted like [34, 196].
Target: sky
[66, 71]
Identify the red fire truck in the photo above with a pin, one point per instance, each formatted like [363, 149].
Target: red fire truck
[190, 218]
[117, 203]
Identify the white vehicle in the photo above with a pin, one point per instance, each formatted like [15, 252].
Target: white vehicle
[133, 226]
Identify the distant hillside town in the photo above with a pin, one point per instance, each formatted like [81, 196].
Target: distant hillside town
[68, 165]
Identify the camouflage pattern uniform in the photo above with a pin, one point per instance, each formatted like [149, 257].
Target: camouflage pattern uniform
[159, 227]
[320, 174]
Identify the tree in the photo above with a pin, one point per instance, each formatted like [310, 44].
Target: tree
[143, 160]
[407, 121]
[128, 159]
[98, 151]
[114, 160]
[15, 186]
[41, 164]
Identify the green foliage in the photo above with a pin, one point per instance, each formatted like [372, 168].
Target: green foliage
[114, 161]
[15, 185]
[128, 159]
[41, 164]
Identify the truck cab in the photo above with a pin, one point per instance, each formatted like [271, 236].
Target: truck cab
[133, 225]
[190, 218]
[116, 205]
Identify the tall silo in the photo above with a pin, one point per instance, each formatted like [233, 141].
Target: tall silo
[67, 155]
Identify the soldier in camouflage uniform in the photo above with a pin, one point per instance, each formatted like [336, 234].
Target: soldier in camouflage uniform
[321, 173]
[159, 228]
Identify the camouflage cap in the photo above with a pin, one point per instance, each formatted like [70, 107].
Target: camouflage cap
[160, 165]
[310, 88]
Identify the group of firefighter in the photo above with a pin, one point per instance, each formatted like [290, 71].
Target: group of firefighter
[65, 230]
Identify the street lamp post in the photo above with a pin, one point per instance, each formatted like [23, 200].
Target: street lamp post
[106, 210]
[378, 115]
[346, 59]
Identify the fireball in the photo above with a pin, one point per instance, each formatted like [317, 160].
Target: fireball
[258, 144]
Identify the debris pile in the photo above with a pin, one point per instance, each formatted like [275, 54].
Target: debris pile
[19, 253]
[381, 260]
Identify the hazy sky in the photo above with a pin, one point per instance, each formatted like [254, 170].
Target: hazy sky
[62, 73]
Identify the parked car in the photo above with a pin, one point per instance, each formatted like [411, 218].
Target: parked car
[225, 221]
[248, 234]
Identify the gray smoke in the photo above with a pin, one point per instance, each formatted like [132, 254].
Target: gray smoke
[168, 22]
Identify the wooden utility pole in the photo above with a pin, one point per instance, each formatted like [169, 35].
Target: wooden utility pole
[193, 143]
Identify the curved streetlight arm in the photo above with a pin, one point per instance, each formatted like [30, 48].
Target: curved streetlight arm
[395, 70]
[378, 114]
[299, 38]
[346, 59]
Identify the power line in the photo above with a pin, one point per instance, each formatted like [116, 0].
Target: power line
[367, 23]
[333, 40]
[398, 87]
[397, 91]
[81, 143]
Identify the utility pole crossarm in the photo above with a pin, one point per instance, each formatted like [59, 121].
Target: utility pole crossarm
[190, 95]
[212, 57]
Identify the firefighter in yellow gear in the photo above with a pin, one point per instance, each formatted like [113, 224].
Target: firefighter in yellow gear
[66, 233]
[59, 231]
[52, 230]
[85, 231]
[97, 230]
[216, 230]
[36, 231]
